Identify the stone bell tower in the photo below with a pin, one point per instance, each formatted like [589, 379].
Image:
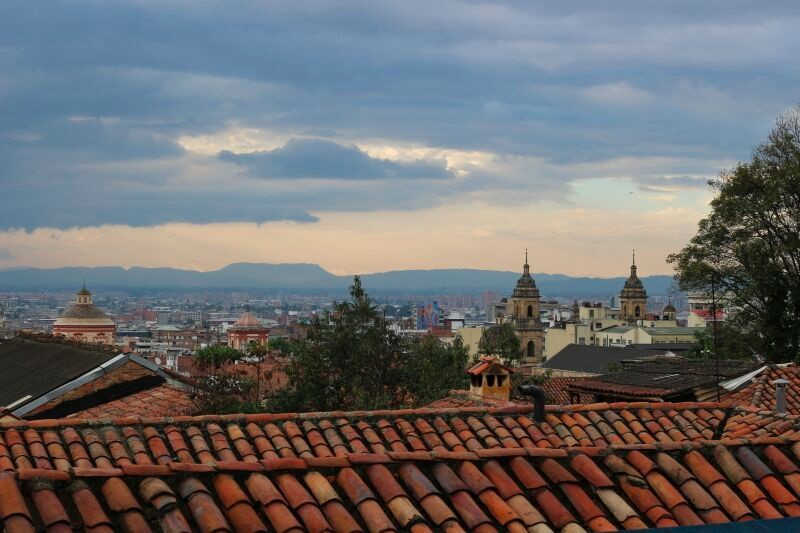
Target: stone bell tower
[523, 311]
[633, 297]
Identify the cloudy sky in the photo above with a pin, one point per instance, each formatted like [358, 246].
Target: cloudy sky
[371, 136]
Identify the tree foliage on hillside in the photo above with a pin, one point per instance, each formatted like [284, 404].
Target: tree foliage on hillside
[352, 360]
[749, 246]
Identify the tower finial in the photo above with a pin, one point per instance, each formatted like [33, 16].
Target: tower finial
[526, 256]
[634, 257]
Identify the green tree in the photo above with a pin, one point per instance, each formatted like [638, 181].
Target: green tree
[731, 344]
[281, 344]
[433, 368]
[748, 247]
[351, 359]
[218, 387]
[257, 354]
[215, 356]
[501, 341]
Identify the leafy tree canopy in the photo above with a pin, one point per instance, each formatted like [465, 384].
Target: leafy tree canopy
[352, 359]
[281, 344]
[749, 246]
[501, 341]
[216, 356]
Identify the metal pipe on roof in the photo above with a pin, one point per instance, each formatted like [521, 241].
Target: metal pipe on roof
[780, 395]
[538, 400]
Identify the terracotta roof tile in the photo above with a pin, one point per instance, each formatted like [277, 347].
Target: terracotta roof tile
[162, 401]
[601, 467]
[760, 392]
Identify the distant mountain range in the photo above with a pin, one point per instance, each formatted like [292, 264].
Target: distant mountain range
[308, 278]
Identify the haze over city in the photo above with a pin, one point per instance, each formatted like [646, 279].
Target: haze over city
[371, 138]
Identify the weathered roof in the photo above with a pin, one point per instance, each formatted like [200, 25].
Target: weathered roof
[673, 331]
[555, 390]
[652, 465]
[84, 311]
[248, 321]
[594, 359]
[760, 392]
[617, 329]
[662, 377]
[161, 401]
[31, 368]
[486, 362]
[675, 347]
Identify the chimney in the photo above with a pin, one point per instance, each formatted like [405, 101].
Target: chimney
[538, 400]
[490, 380]
[780, 395]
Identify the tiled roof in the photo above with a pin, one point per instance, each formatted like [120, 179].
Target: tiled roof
[485, 363]
[555, 390]
[668, 331]
[463, 398]
[162, 401]
[414, 470]
[750, 422]
[31, 366]
[761, 392]
[661, 377]
[595, 359]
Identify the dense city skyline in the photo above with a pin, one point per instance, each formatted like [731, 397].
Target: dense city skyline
[372, 138]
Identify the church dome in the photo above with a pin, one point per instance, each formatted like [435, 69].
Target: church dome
[248, 321]
[526, 286]
[84, 312]
[633, 282]
[633, 288]
[669, 308]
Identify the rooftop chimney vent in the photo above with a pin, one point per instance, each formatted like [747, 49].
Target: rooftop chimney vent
[780, 394]
[538, 400]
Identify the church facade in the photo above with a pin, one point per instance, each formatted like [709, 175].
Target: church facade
[246, 330]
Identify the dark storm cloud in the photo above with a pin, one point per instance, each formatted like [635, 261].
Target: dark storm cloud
[321, 159]
[94, 96]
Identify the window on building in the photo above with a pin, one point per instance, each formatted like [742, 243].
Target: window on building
[638, 311]
[581, 340]
[530, 311]
[531, 349]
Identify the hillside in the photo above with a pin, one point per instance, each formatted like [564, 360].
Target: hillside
[305, 277]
